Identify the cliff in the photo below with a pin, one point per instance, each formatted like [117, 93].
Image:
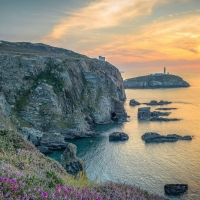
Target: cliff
[153, 81]
[52, 90]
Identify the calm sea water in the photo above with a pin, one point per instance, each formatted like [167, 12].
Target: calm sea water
[150, 166]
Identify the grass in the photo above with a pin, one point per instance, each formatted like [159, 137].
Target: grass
[26, 173]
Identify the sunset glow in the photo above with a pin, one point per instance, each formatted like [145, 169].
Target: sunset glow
[139, 33]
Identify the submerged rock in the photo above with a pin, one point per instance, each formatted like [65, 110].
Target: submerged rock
[118, 136]
[133, 102]
[162, 119]
[70, 161]
[156, 103]
[175, 189]
[144, 113]
[155, 137]
[166, 108]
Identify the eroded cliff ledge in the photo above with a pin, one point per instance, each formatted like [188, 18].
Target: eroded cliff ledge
[57, 90]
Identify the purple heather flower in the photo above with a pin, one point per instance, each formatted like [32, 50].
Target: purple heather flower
[91, 193]
[6, 179]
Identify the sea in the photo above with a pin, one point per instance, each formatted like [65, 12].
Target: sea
[150, 165]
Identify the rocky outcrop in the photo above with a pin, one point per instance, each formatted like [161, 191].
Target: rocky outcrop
[70, 161]
[145, 113]
[54, 90]
[156, 103]
[175, 189]
[46, 142]
[152, 82]
[155, 137]
[118, 136]
[133, 102]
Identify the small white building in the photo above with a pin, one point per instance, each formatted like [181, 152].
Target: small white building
[101, 58]
[159, 73]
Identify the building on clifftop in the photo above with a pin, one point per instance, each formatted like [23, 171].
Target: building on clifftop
[159, 73]
[101, 58]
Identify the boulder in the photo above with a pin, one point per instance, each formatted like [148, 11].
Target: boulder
[133, 102]
[44, 150]
[70, 161]
[155, 137]
[31, 134]
[54, 141]
[118, 136]
[144, 113]
[175, 189]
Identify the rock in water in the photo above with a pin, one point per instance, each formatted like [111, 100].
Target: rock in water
[163, 81]
[71, 162]
[133, 102]
[155, 137]
[118, 136]
[175, 189]
[156, 103]
[144, 113]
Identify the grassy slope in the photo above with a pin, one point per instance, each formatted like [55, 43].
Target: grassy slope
[39, 177]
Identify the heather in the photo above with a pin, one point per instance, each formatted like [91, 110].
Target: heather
[26, 174]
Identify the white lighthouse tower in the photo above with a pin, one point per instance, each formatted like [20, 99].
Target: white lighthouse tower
[164, 70]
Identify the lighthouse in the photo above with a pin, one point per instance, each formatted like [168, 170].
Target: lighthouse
[164, 70]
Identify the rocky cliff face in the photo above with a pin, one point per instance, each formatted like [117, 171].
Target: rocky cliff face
[155, 81]
[53, 90]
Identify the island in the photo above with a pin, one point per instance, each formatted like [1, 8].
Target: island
[154, 81]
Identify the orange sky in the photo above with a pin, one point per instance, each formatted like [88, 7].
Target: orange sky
[130, 34]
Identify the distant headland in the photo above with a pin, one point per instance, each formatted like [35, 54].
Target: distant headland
[156, 80]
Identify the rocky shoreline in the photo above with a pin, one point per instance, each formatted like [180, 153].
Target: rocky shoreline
[47, 90]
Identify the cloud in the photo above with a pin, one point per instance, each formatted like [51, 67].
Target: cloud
[172, 39]
[100, 14]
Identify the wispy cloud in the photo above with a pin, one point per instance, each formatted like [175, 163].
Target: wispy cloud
[101, 14]
[174, 38]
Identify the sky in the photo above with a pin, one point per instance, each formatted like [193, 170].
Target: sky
[131, 34]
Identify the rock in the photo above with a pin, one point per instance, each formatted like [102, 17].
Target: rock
[118, 136]
[55, 90]
[70, 161]
[54, 141]
[44, 150]
[156, 103]
[164, 102]
[155, 137]
[175, 189]
[133, 102]
[166, 108]
[32, 135]
[144, 113]
[162, 119]
[153, 82]
[157, 113]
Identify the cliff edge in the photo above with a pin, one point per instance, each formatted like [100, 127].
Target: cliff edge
[45, 89]
[155, 81]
